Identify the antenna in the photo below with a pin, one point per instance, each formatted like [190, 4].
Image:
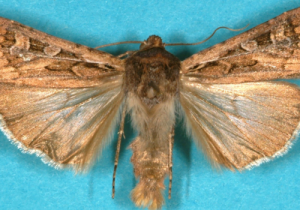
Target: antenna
[196, 43]
[174, 44]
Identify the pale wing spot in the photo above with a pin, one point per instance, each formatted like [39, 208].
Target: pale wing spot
[52, 50]
[22, 42]
[249, 46]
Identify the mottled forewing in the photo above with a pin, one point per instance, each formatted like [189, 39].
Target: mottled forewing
[58, 99]
[33, 58]
[241, 125]
[268, 51]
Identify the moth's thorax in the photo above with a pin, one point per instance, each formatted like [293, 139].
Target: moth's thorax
[152, 74]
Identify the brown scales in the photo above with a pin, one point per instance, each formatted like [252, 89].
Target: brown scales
[151, 86]
[61, 100]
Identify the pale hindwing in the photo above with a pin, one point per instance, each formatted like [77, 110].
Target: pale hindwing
[67, 127]
[241, 125]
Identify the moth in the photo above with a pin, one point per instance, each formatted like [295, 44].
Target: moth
[62, 101]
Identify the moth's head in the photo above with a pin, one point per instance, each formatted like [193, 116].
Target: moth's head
[152, 41]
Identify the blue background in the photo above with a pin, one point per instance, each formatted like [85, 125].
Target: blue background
[27, 183]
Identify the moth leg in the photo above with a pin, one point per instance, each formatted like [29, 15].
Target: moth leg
[121, 134]
[171, 143]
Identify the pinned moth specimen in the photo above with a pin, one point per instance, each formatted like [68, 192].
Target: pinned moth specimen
[63, 101]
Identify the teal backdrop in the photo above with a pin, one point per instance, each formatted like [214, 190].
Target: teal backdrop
[27, 183]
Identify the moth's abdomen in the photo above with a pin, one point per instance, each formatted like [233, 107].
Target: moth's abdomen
[152, 74]
[151, 149]
[150, 166]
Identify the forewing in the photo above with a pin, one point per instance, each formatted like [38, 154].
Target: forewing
[58, 99]
[33, 58]
[241, 125]
[268, 51]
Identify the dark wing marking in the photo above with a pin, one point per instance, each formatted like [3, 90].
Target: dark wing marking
[268, 51]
